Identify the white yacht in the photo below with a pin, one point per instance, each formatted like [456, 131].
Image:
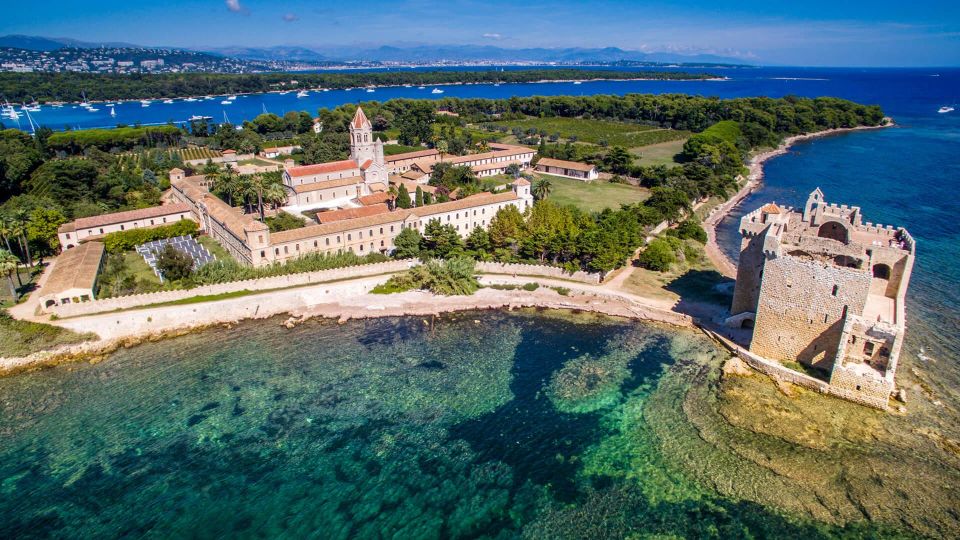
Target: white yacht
[370, 90]
[945, 109]
[226, 102]
[303, 94]
[231, 98]
[577, 82]
[436, 91]
[421, 88]
[190, 99]
[144, 103]
[167, 101]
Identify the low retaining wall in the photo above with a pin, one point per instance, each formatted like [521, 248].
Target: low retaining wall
[260, 284]
[537, 270]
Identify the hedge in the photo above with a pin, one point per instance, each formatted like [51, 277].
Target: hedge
[118, 242]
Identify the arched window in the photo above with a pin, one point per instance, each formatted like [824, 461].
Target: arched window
[836, 289]
[834, 230]
[881, 271]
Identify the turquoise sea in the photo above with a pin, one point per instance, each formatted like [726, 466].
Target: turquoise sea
[528, 424]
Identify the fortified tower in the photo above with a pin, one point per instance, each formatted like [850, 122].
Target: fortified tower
[367, 151]
[822, 288]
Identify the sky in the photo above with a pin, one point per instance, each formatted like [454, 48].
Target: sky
[808, 33]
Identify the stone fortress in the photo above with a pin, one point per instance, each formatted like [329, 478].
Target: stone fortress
[823, 288]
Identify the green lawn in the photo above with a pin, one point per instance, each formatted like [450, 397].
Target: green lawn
[26, 276]
[593, 196]
[21, 338]
[213, 247]
[593, 131]
[659, 154]
[393, 149]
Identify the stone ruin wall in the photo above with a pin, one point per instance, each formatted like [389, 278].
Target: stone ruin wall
[798, 317]
[746, 292]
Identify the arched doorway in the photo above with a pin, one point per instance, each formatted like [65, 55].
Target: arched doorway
[834, 230]
[881, 271]
[747, 324]
[49, 303]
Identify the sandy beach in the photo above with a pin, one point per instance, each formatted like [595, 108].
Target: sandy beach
[753, 180]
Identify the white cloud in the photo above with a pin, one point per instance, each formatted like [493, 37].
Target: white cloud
[290, 17]
[492, 35]
[234, 6]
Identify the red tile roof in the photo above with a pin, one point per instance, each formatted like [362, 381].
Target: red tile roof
[321, 168]
[351, 213]
[366, 164]
[564, 164]
[374, 198]
[770, 208]
[123, 217]
[360, 119]
[413, 155]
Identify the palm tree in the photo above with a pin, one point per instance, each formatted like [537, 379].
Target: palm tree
[6, 231]
[225, 181]
[255, 185]
[8, 266]
[276, 194]
[20, 218]
[542, 189]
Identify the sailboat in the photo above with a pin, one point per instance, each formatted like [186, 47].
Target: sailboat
[84, 103]
[113, 113]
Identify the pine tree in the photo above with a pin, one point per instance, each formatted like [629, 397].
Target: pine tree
[403, 197]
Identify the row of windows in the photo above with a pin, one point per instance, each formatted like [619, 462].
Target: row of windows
[122, 227]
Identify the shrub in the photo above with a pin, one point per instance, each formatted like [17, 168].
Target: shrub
[530, 287]
[690, 229]
[451, 277]
[118, 242]
[174, 264]
[223, 271]
[659, 255]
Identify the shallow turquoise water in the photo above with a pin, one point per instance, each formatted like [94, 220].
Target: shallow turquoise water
[476, 425]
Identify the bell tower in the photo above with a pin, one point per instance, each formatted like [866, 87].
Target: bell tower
[362, 145]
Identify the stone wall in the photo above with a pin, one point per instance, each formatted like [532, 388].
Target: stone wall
[798, 316]
[537, 270]
[261, 284]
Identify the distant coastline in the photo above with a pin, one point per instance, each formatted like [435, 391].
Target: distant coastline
[754, 178]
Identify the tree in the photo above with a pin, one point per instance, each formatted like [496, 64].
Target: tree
[542, 189]
[618, 160]
[403, 197]
[226, 183]
[513, 170]
[415, 122]
[407, 244]
[506, 227]
[418, 199]
[8, 266]
[441, 241]
[174, 264]
[658, 256]
[42, 228]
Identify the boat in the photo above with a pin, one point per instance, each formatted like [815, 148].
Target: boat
[326, 89]
[168, 101]
[577, 82]
[113, 112]
[436, 91]
[945, 109]
[207, 98]
[303, 94]
[370, 90]
[231, 98]
[190, 99]
[84, 103]
[92, 109]
[144, 103]
[421, 88]
[197, 117]
[226, 102]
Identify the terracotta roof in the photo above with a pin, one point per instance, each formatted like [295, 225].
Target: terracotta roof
[413, 174]
[492, 166]
[521, 182]
[327, 184]
[513, 151]
[480, 199]
[176, 170]
[413, 155]
[378, 186]
[563, 164]
[770, 208]
[397, 216]
[229, 152]
[351, 213]
[412, 186]
[75, 268]
[320, 168]
[360, 119]
[366, 164]
[123, 217]
[374, 199]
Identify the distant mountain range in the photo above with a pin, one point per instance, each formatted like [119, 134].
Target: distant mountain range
[423, 54]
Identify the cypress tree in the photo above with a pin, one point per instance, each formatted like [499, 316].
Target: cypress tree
[418, 198]
[403, 197]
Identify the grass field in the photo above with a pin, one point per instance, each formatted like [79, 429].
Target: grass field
[26, 276]
[659, 154]
[593, 196]
[213, 247]
[594, 131]
[21, 338]
[692, 280]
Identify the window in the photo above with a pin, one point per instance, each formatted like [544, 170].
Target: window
[151, 222]
[381, 230]
[836, 288]
[101, 231]
[314, 243]
[391, 228]
[276, 251]
[338, 238]
[826, 316]
[164, 220]
[349, 237]
[259, 238]
[121, 227]
[286, 250]
[868, 348]
[326, 241]
[263, 253]
[297, 248]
